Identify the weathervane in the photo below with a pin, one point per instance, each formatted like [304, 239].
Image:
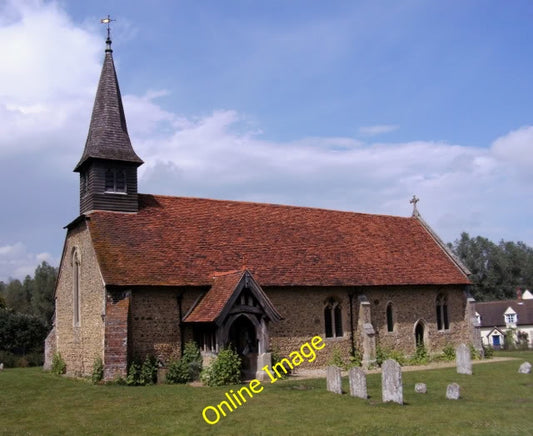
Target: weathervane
[413, 201]
[108, 22]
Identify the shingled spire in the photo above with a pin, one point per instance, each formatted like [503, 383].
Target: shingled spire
[108, 166]
[108, 134]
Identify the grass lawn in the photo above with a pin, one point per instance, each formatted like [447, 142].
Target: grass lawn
[495, 400]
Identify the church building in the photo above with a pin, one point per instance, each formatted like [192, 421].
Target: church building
[143, 274]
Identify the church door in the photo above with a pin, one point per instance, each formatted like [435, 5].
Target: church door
[243, 339]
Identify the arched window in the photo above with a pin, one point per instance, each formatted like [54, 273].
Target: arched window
[76, 263]
[442, 312]
[390, 321]
[333, 319]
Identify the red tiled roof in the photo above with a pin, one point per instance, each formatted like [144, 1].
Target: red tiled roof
[182, 241]
[214, 301]
[218, 301]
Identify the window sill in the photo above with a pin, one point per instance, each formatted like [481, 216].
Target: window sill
[334, 338]
[115, 193]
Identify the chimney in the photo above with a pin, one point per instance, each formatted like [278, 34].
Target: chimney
[518, 294]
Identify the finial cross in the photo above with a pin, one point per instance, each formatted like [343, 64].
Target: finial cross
[107, 21]
[413, 201]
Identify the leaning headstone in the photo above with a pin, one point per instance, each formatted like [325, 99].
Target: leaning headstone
[452, 391]
[357, 379]
[334, 379]
[421, 388]
[525, 368]
[391, 382]
[463, 360]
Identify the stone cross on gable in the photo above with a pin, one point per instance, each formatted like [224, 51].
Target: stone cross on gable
[413, 201]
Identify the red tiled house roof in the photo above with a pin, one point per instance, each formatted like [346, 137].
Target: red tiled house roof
[175, 241]
[219, 298]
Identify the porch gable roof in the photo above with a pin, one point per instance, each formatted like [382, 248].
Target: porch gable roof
[223, 294]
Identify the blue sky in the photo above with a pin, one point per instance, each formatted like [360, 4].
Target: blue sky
[352, 105]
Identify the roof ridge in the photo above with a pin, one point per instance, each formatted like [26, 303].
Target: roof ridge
[227, 273]
[501, 302]
[286, 206]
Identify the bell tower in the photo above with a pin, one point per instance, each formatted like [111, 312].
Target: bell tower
[108, 165]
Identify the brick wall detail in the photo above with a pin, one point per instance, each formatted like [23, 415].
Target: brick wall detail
[116, 334]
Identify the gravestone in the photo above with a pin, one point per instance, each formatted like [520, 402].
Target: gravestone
[334, 379]
[357, 379]
[463, 360]
[525, 368]
[421, 388]
[391, 382]
[452, 391]
[1, 366]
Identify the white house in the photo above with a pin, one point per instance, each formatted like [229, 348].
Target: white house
[495, 318]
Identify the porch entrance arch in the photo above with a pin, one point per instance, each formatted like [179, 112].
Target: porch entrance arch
[243, 338]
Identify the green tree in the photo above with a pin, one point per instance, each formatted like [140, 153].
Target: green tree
[21, 333]
[42, 297]
[497, 269]
[18, 295]
[2, 297]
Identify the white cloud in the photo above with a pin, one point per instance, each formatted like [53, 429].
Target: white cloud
[461, 188]
[48, 76]
[378, 129]
[16, 261]
[516, 148]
